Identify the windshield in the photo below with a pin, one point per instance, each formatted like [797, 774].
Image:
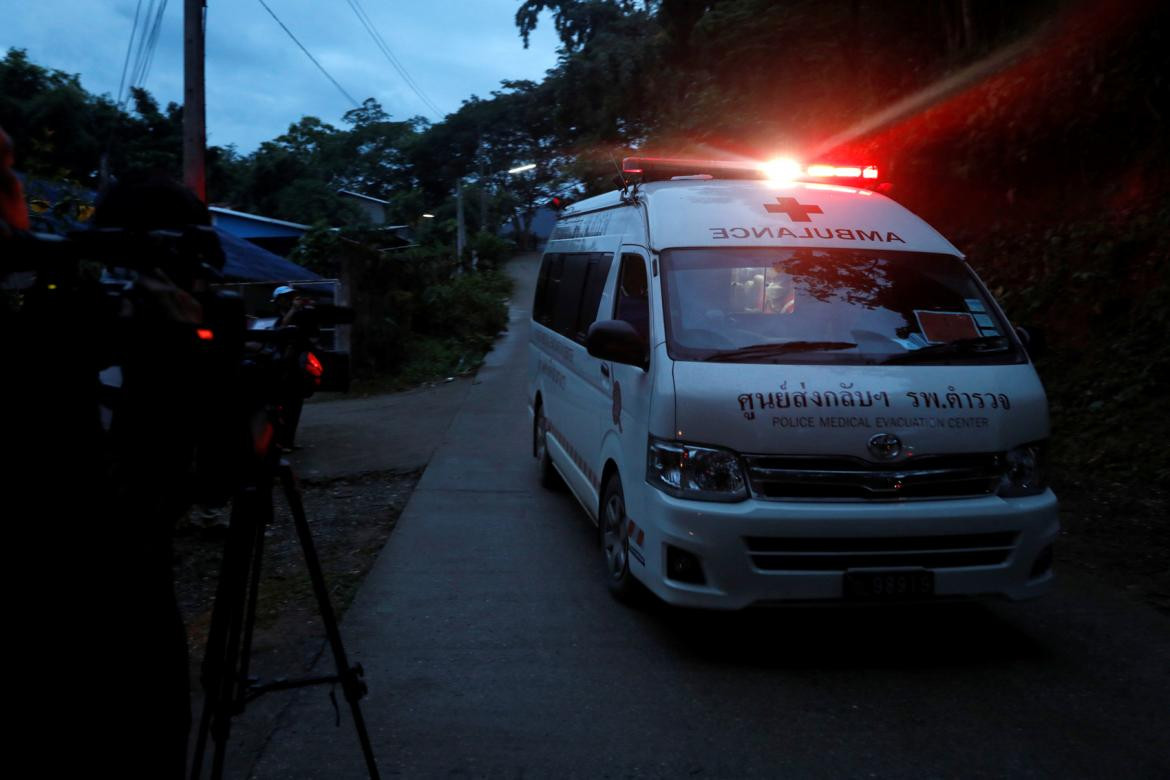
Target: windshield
[829, 306]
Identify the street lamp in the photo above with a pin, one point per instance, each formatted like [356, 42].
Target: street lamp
[460, 229]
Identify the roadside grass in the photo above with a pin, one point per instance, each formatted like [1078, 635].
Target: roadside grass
[429, 359]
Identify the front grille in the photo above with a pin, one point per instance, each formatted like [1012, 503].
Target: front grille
[795, 477]
[835, 554]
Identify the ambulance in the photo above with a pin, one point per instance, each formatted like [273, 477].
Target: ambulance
[772, 384]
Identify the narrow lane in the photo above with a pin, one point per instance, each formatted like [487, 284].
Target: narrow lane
[492, 649]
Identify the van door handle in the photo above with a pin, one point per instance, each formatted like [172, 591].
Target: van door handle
[605, 370]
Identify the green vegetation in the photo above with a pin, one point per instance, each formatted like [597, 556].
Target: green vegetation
[455, 324]
[423, 315]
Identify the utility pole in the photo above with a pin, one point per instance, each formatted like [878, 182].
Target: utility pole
[194, 103]
[482, 186]
[482, 199]
[461, 229]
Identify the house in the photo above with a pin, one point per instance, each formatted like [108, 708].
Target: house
[275, 235]
[373, 208]
[375, 211]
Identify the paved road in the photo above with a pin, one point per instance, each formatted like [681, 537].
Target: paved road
[493, 650]
[394, 432]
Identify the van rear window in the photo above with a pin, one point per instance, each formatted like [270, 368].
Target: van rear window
[829, 306]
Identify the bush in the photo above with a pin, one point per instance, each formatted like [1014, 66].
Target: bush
[491, 250]
[469, 308]
[319, 250]
[414, 319]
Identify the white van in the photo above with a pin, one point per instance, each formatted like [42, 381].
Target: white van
[774, 391]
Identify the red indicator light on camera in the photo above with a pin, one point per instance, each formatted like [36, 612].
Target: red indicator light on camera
[313, 365]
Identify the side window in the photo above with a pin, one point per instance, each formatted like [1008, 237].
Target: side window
[596, 272]
[547, 288]
[632, 302]
[568, 291]
[568, 300]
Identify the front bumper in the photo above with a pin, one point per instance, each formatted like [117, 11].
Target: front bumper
[718, 535]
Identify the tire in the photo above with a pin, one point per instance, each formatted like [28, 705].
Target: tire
[549, 478]
[615, 541]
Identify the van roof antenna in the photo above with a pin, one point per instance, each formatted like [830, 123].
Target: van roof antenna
[620, 179]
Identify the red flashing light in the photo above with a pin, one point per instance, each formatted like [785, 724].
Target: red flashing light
[205, 334]
[313, 365]
[664, 168]
[822, 171]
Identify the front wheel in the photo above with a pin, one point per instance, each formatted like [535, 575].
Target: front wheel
[615, 541]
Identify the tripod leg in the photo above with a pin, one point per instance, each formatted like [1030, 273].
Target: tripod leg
[351, 681]
[256, 506]
[219, 670]
[264, 503]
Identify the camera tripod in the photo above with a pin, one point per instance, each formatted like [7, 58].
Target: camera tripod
[227, 687]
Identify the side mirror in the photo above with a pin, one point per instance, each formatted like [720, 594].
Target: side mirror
[1034, 341]
[617, 341]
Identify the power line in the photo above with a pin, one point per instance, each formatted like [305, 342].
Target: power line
[152, 43]
[129, 48]
[141, 48]
[385, 47]
[380, 42]
[320, 67]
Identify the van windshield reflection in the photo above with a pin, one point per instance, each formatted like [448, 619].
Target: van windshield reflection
[749, 305]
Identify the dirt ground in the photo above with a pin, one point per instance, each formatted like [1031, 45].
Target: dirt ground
[350, 518]
[1119, 534]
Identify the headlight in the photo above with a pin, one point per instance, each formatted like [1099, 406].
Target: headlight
[1025, 474]
[702, 473]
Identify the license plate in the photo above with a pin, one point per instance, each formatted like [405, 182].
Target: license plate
[890, 585]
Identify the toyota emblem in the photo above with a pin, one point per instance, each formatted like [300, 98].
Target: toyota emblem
[885, 446]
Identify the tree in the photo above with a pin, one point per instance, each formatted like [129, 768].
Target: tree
[481, 142]
[577, 21]
[373, 154]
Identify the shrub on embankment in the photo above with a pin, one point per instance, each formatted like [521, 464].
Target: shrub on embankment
[419, 315]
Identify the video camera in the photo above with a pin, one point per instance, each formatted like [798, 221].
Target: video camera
[146, 301]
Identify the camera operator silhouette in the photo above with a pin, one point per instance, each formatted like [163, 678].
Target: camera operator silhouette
[294, 310]
[101, 648]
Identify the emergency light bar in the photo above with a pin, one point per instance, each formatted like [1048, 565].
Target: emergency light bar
[665, 168]
[838, 171]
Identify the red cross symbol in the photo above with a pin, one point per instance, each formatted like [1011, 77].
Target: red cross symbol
[795, 211]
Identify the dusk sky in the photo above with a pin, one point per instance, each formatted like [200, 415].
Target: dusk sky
[259, 82]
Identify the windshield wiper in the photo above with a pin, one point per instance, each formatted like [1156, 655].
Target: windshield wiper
[782, 348]
[960, 347]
